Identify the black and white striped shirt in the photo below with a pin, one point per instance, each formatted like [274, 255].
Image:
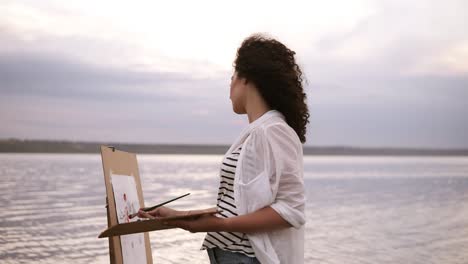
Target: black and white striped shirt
[232, 241]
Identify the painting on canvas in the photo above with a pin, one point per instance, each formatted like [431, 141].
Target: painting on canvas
[126, 203]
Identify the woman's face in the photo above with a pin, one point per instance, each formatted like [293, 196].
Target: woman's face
[237, 94]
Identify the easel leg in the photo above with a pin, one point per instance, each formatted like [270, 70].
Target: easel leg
[111, 242]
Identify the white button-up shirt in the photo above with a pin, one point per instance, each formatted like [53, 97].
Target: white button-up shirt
[269, 172]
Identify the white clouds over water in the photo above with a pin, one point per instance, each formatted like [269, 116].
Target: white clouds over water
[381, 73]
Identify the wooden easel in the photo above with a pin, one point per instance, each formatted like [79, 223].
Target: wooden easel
[123, 163]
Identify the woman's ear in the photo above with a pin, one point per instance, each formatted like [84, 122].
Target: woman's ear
[244, 81]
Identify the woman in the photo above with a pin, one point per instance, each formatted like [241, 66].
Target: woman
[261, 191]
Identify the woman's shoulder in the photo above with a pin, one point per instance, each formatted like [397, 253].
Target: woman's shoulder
[277, 129]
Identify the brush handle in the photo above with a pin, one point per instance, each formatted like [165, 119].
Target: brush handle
[147, 209]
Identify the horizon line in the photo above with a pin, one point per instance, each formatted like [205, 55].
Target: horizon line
[11, 139]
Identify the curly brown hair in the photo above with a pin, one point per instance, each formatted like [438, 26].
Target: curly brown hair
[271, 67]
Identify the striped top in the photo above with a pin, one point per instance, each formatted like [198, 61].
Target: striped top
[232, 241]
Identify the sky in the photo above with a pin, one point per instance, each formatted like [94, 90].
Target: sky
[390, 73]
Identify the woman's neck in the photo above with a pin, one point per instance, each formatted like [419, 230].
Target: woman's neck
[255, 111]
[255, 106]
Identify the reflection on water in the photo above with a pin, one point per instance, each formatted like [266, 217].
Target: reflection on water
[359, 209]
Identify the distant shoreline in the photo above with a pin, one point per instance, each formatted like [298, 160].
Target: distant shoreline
[49, 146]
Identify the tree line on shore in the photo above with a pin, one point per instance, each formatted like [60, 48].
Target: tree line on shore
[50, 146]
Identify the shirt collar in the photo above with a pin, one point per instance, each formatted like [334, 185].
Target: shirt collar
[246, 131]
[262, 119]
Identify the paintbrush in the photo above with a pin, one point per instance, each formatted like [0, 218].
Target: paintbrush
[147, 209]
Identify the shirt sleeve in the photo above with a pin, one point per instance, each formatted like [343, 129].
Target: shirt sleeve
[284, 156]
[275, 153]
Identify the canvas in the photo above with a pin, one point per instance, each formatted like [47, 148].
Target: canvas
[126, 203]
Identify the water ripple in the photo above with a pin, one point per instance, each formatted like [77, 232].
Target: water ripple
[359, 209]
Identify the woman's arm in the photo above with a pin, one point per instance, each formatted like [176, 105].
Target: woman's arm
[265, 219]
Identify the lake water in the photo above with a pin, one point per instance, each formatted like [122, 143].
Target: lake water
[359, 209]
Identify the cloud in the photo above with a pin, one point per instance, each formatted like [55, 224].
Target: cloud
[56, 76]
[399, 38]
[389, 73]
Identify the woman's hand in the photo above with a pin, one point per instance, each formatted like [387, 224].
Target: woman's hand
[203, 223]
[159, 212]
